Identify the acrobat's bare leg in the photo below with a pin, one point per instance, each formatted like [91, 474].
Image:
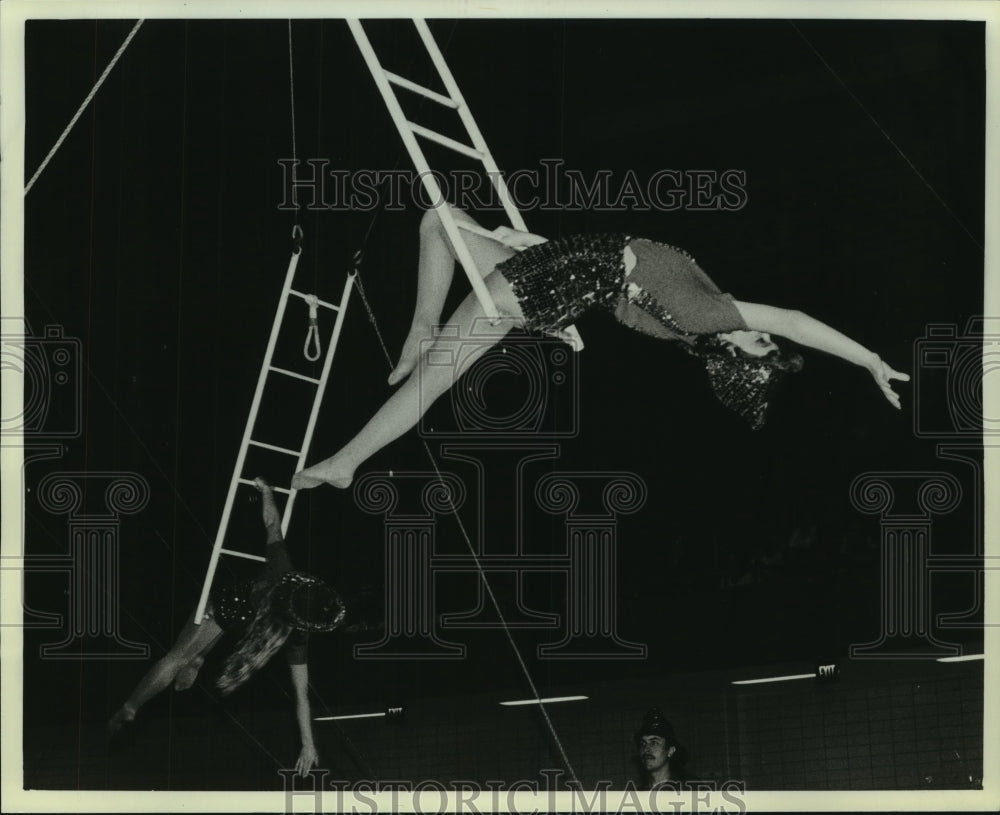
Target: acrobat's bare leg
[435, 270]
[405, 407]
[189, 673]
[194, 641]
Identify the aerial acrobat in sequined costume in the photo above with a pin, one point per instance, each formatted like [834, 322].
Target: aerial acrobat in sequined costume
[280, 607]
[543, 286]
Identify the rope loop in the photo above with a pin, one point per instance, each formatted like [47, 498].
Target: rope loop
[297, 235]
[312, 335]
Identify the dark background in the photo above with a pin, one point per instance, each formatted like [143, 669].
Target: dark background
[155, 237]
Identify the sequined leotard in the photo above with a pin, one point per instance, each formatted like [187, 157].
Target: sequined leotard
[232, 605]
[666, 294]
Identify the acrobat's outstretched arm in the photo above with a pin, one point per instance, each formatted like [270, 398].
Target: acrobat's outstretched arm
[308, 757]
[805, 330]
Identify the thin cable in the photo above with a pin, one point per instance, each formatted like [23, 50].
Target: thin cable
[888, 138]
[503, 621]
[277, 762]
[482, 573]
[86, 396]
[318, 141]
[110, 598]
[85, 365]
[180, 280]
[371, 315]
[475, 559]
[84, 361]
[291, 96]
[79, 113]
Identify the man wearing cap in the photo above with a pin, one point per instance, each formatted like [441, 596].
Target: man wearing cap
[660, 754]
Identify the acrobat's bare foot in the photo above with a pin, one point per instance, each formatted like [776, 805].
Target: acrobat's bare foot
[329, 472]
[261, 484]
[411, 353]
[186, 675]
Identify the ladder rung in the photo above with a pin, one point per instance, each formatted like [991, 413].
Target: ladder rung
[476, 229]
[441, 99]
[274, 447]
[323, 303]
[234, 553]
[254, 484]
[292, 373]
[444, 141]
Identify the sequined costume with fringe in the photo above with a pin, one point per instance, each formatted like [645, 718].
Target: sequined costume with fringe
[557, 282]
[233, 605]
[666, 294]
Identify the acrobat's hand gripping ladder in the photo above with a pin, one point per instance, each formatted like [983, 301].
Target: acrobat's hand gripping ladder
[408, 131]
[268, 373]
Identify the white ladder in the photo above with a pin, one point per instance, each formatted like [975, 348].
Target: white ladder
[267, 371]
[408, 130]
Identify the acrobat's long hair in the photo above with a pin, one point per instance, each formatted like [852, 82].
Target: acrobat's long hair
[264, 636]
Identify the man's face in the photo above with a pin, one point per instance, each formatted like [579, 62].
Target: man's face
[654, 753]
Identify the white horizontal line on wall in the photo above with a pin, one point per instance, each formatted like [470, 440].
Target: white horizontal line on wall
[545, 701]
[349, 716]
[773, 679]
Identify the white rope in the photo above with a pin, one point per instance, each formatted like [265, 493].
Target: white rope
[472, 551]
[83, 107]
[312, 335]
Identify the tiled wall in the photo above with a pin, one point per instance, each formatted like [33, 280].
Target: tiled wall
[887, 725]
[883, 725]
[899, 734]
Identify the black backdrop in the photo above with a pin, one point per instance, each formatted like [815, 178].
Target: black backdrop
[155, 236]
